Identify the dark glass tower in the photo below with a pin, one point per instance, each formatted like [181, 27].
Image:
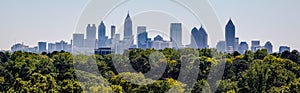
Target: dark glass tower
[101, 35]
[203, 42]
[194, 38]
[230, 36]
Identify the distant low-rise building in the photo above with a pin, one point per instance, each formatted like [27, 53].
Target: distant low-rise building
[104, 51]
[269, 47]
[19, 47]
[243, 47]
[255, 45]
[221, 46]
[284, 48]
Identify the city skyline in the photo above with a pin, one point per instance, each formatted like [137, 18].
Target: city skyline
[199, 40]
[261, 35]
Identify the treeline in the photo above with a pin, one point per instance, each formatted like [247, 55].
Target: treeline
[151, 71]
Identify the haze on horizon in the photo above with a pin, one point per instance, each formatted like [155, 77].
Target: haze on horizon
[32, 21]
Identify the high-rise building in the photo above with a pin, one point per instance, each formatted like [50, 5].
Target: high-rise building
[78, 40]
[221, 46]
[194, 38]
[102, 35]
[236, 41]
[176, 35]
[269, 47]
[51, 47]
[255, 45]
[203, 42]
[128, 41]
[42, 47]
[284, 48]
[90, 40]
[91, 32]
[243, 47]
[142, 37]
[113, 31]
[230, 35]
[128, 27]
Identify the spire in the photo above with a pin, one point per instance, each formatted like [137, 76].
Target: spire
[230, 21]
[128, 15]
[102, 23]
[201, 27]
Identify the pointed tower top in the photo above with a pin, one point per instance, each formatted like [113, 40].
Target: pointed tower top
[201, 27]
[102, 23]
[128, 15]
[230, 23]
[195, 28]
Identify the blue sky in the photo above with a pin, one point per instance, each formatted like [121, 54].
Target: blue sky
[30, 21]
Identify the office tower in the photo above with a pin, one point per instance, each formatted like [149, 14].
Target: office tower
[113, 31]
[51, 47]
[269, 47]
[42, 47]
[78, 41]
[284, 48]
[203, 42]
[194, 38]
[176, 35]
[255, 45]
[128, 27]
[230, 35]
[101, 35]
[142, 37]
[221, 46]
[90, 40]
[91, 32]
[243, 47]
[236, 46]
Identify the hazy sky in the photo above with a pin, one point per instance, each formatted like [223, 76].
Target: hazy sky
[30, 21]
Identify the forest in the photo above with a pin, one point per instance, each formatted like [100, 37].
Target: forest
[151, 71]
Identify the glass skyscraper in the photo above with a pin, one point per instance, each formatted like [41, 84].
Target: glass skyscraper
[176, 35]
[230, 36]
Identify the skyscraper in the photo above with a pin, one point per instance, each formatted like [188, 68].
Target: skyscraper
[128, 27]
[101, 35]
[236, 41]
[203, 42]
[42, 47]
[91, 32]
[269, 47]
[90, 40]
[113, 31]
[176, 35]
[142, 37]
[230, 35]
[194, 38]
[78, 40]
[243, 47]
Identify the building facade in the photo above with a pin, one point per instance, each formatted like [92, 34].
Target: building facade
[176, 35]
[230, 35]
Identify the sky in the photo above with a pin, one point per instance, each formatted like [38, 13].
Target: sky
[31, 21]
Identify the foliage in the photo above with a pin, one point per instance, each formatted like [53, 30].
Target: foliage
[58, 72]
